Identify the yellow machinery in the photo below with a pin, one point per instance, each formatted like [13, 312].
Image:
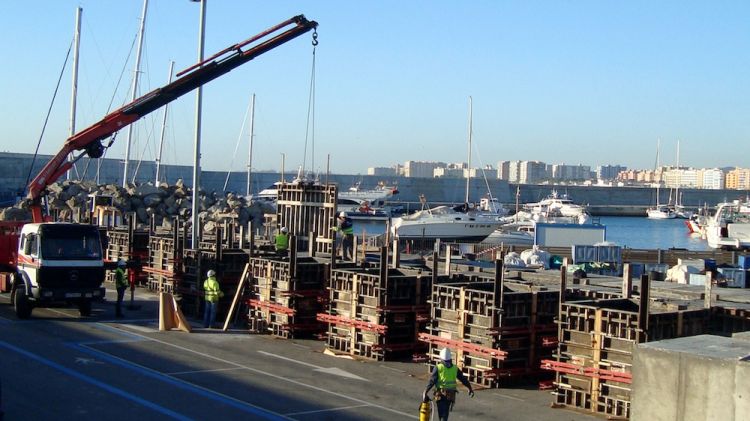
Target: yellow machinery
[425, 410]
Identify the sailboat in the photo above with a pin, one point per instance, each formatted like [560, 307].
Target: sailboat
[659, 211]
[679, 209]
[462, 223]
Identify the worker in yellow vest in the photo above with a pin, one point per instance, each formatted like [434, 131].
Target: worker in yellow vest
[443, 378]
[121, 284]
[346, 229]
[282, 241]
[213, 293]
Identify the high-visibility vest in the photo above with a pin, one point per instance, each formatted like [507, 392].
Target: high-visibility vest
[447, 377]
[213, 292]
[282, 242]
[347, 228]
[120, 278]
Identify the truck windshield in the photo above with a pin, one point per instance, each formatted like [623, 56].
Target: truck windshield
[70, 245]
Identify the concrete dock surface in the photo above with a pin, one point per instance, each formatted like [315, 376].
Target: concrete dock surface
[58, 365]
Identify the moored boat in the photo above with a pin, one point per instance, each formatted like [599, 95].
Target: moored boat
[729, 227]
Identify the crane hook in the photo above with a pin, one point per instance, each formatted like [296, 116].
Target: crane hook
[315, 37]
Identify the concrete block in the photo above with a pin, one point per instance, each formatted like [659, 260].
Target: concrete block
[699, 264]
[741, 336]
[698, 378]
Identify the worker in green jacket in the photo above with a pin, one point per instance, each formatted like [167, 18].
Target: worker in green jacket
[282, 241]
[346, 229]
[213, 293]
[444, 377]
[121, 284]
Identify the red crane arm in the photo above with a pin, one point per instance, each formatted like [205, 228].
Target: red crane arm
[89, 139]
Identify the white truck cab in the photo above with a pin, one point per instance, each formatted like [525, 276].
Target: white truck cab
[58, 263]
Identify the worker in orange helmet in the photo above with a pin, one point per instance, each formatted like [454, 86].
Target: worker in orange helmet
[443, 378]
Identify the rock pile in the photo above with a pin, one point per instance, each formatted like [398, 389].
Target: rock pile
[163, 203]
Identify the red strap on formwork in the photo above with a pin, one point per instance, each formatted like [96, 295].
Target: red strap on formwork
[549, 341]
[562, 367]
[464, 346]
[276, 308]
[546, 384]
[167, 273]
[359, 324]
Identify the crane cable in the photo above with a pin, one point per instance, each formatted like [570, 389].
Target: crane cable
[310, 126]
[49, 111]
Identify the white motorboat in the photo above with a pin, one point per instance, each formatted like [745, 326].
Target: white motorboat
[729, 227]
[513, 234]
[371, 197]
[557, 205]
[447, 223]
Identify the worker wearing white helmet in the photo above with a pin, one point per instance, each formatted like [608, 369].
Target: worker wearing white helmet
[282, 241]
[444, 378]
[121, 285]
[213, 292]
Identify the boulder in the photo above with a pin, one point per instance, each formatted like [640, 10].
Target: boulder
[15, 214]
[152, 200]
[146, 189]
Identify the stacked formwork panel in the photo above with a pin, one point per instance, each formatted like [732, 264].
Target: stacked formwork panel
[377, 312]
[287, 295]
[498, 330]
[596, 342]
[221, 251]
[308, 211]
[129, 245]
[726, 320]
[164, 267]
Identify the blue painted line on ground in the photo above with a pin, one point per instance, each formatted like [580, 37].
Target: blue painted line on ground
[95, 382]
[243, 406]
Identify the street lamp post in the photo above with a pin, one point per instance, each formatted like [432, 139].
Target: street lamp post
[197, 149]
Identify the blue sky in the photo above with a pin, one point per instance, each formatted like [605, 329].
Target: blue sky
[575, 82]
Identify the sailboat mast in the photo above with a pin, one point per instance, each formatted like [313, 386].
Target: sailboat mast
[468, 170]
[658, 181]
[134, 89]
[74, 88]
[163, 128]
[677, 200]
[250, 147]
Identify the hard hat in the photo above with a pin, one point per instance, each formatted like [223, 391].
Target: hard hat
[445, 354]
[121, 263]
[211, 273]
[342, 214]
[284, 230]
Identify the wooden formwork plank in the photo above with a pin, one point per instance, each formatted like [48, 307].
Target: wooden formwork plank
[597, 355]
[353, 309]
[461, 321]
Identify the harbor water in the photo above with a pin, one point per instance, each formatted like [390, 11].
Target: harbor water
[626, 231]
[643, 233]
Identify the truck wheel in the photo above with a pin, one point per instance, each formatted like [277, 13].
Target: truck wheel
[84, 307]
[22, 304]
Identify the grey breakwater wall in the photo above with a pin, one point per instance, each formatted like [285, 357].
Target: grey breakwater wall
[601, 200]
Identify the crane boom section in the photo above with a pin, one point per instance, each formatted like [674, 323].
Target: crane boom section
[89, 139]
